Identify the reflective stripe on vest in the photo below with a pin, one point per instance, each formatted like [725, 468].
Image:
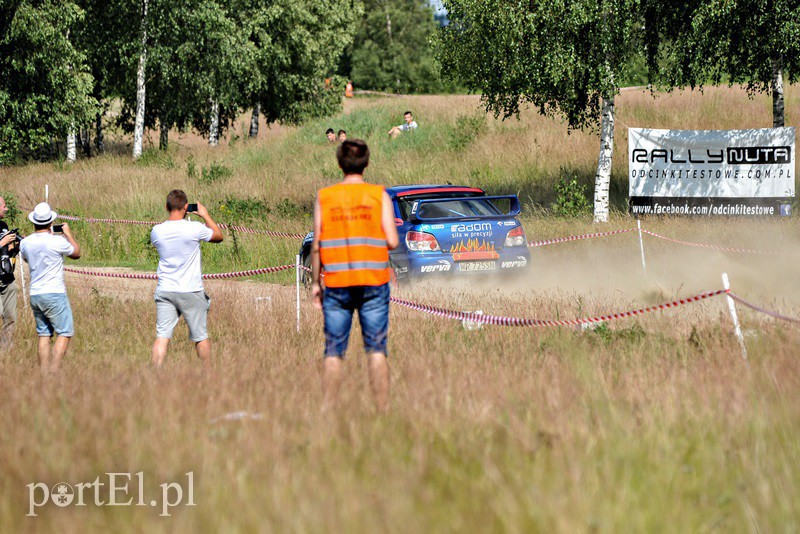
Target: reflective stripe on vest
[352, 243]
[355, 265]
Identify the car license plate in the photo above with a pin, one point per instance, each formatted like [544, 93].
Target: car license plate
[477, 266]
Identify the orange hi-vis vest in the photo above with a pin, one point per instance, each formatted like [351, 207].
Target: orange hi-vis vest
[352, 242]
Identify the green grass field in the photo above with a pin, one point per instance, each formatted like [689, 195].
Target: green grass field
[648, 424]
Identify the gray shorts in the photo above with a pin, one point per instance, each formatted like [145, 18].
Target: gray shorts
[8, 304]
[194, 308]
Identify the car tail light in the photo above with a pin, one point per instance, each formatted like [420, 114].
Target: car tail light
[421, 242]
[515, 237]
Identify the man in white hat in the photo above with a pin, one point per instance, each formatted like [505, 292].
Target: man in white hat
[44, 251]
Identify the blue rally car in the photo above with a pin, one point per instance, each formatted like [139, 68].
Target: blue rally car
[454, 230]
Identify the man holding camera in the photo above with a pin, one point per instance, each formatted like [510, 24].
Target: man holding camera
[180, 283]
[44, 250]
[9, 242]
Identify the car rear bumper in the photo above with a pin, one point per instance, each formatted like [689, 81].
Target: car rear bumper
[516, 259]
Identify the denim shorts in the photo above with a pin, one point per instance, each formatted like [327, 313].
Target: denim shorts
[53, 314]
[338, 305]
[194, 307]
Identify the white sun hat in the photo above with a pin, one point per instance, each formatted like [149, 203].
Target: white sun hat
[42, 214]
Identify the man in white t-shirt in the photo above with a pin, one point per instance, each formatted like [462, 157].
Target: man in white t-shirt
[44, 250]
[407, 126]
[180, 283]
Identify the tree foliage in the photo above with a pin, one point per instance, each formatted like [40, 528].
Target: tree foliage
[45, 84]
[391, 51]
[297, 44]
[561, 56]
[719, 41]
[195, 53]
[61, 61]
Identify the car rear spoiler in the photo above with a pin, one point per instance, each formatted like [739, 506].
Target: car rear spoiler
[513, 209]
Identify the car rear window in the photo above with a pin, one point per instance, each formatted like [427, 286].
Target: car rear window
[462, 206]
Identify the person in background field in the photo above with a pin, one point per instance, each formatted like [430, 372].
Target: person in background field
[331, 135]
[407, 126]
[8, 287]
[44, 250]
[180, 283]
[348, 90]
[354, 230]
[342, 136]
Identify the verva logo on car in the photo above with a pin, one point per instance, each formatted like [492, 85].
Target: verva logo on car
[519, 262]
[442, 267]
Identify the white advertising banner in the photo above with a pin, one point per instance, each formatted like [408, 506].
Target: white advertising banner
[711, 172]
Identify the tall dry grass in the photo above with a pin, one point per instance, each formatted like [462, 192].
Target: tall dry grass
[655, 424]
[647, 424]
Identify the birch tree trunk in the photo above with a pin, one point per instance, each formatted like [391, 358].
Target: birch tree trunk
[254, 120]
[602, 180]
[778, 115]
[163, 139]
[71, 151]
[138, 128]
[99, 143]
[213, 130]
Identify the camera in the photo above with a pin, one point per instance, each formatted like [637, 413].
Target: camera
[15, 243]
[191, 208]
[58, 228]
[7, 253]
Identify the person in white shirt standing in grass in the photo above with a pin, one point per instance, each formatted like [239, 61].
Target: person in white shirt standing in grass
[180, 283]
[44, 250]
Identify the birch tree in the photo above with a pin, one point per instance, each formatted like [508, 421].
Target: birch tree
[141, 89]
[751, 42]
[560, 56]
[107, 38]
[45, 85]
[71, 150]
[214, 59]
[195, 54]
[296, 45]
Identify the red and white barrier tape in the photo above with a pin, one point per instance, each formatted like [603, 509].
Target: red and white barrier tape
[760, 309]
[531, 244]
[518, 321]
[153, 276]
[95, 220]
[237, 228]
[718, 247]
[271, 233]
[464, 316]
[554, 241]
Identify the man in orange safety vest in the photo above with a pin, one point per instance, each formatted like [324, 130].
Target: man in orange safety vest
[354, 229]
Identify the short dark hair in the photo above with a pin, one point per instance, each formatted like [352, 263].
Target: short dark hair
[353, 156]
[341, 132]
[408, 113]
[37, 227]
[329, 130]
[176, 200]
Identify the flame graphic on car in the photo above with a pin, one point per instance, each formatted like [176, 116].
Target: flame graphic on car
[474, 249]
[473, 245]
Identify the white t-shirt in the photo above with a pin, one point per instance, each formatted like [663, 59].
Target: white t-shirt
[45, 253]
[406, 126]
[178, 245]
